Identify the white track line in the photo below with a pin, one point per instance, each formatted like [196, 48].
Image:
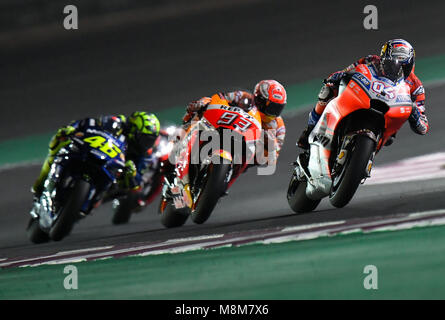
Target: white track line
[398, 222]
[64, 253]
[425, 167]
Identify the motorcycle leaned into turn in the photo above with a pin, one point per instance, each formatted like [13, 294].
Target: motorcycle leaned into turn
[207, 160]
[80, 176]
[353, 128]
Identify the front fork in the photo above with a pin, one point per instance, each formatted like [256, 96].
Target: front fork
[183, 194]
[180, 194]
[44, 208]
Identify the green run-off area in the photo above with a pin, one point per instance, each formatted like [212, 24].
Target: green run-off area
[410, 265]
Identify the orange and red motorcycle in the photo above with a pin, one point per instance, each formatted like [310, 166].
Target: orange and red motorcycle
[353, 128]
[207, 160]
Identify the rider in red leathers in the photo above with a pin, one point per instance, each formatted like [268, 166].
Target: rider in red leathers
[395, 61]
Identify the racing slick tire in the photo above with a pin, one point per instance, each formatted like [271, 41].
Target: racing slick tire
[346, 183]
[214, 188]
[35, 233]
[70, 212]
[172, 217]
[297, 198]
[123, 208]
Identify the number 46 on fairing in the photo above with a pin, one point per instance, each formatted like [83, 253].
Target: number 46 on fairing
[104, 145]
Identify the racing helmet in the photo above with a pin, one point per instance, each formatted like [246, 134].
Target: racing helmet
[270, 98]
[397, 59]
[143, 130]
[112, 124]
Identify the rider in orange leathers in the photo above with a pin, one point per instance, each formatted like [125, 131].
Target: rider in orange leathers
[269, 98]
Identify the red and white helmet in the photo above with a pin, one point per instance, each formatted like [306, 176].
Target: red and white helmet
[270, 97]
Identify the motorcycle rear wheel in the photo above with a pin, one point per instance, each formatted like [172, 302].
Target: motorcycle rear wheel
[172, 217]
[297, 198]
[123, 210]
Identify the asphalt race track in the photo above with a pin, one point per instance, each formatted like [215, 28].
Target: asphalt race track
[167, 63]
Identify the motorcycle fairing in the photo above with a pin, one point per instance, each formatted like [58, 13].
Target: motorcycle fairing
[77, 152]
[217, 115]
[364, 87]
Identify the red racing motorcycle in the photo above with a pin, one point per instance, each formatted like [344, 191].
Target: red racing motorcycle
[207, 160]
[353, 128]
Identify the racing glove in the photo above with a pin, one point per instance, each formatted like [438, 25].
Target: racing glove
[194, 107]
[128, 177]
[335, 78]
[418, 121]
[60, 139]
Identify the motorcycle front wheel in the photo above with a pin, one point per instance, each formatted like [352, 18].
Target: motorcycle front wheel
[70, 212]
[214, 188]
[35, 233]
[346, 182]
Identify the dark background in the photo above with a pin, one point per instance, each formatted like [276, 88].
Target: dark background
[157, 54]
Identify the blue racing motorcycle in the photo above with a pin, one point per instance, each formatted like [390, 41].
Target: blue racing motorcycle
[80, 177]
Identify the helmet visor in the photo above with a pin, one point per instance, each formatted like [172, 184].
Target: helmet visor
[269, 108]
[274, 109]
[392, 69]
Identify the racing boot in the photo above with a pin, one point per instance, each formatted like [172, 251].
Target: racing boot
[303, 159]
[57, 142]
[38, 185]
[303, 141]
